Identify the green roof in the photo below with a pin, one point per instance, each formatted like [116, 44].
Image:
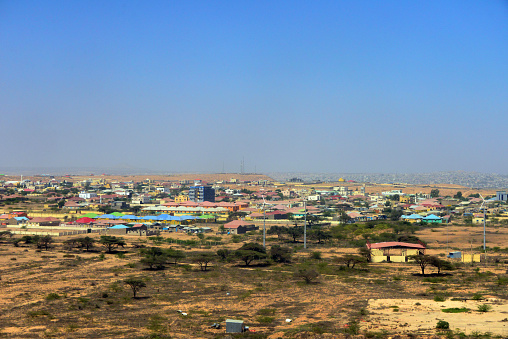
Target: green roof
[89, 215]
[118, 214]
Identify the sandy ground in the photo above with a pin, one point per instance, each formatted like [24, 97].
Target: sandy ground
[412, 318]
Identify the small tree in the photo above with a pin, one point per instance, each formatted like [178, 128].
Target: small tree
[70, 244]
[278, 230]
[344, 218]
[44, 242]
[135, 284]
[175, 255]
[440, 264]
[111, 242]
[434, 193]
[153, 257]
[308, 274]
[319, 234]
[86, 242]
[295, 232]
[366, 253]
[203, 259]
[422, 260]
[250, 252]
[350, 260]
[280, 254]
[224, 253]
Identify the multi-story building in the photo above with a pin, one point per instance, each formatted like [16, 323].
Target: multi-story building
[87, 195]
[501, 196]
[201, 193]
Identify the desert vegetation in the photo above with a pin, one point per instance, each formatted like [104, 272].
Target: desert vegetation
[178, 285]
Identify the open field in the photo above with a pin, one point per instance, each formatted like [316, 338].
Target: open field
[71, 293]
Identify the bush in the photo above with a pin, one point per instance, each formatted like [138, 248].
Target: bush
[443, 325]
[280, 254]
[316, 255]
[265, 320]
[455, 310]
[477, 296]
[308, 274]
[353, 327]
[484, 308]
[53, 296]
[439, 298]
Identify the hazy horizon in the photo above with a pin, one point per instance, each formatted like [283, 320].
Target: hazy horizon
[315, 87]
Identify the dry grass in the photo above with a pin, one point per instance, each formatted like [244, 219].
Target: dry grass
[87, 297]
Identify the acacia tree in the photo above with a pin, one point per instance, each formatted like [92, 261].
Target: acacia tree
[135, 284]
[366, 253]
[422, 260]
[280, 254]
[111, 242]
[153, 257]
[175, 255]
[86, 242]
[295, 232]
[308, 274]
[441, 264]
[250, 252]
[203, 259]
[319, 235]
[278, 230]
[350, 260]
[224, 253]
[44, 242]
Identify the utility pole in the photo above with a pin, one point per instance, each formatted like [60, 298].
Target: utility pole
[264, 223]
[305, 223]
[484, 215]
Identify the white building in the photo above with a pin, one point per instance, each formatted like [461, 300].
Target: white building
[141, 199]
[87, 195]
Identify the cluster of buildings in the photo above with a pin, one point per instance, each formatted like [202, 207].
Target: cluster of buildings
[165, 203]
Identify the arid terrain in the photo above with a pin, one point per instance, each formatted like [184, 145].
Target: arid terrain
[71, 293]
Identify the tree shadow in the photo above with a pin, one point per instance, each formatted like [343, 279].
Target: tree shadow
[432, 275]
[141, 298]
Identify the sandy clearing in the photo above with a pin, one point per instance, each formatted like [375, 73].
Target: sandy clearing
[423, 318]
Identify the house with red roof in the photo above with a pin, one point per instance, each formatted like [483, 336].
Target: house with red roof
[239, 227]
[394, 251]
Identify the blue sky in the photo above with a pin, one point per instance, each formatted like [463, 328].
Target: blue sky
[300, 86]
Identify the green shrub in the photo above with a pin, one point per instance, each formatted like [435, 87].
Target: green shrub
[353, 327]
[53, 296]
[484, 308]
[477, 296]
[265, 320]
[455, 310]
[502, 281]
[35, 314]
[316, 255]
[443, 325]
[439, 298]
